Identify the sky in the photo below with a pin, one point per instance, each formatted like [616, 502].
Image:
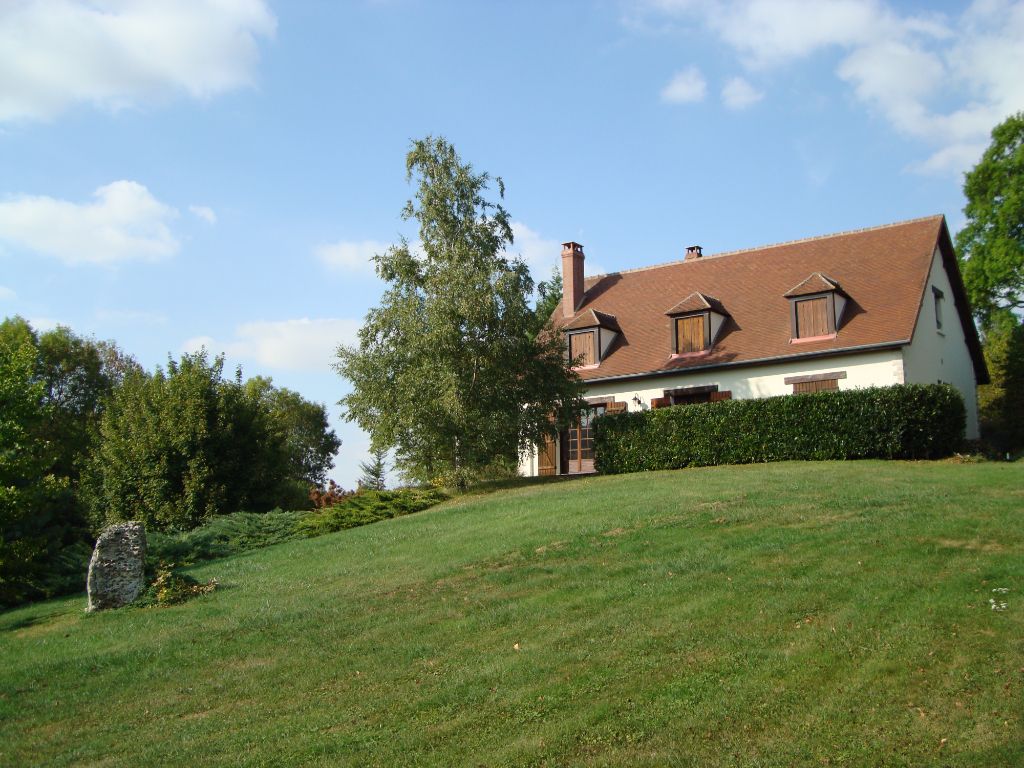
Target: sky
[219, 173]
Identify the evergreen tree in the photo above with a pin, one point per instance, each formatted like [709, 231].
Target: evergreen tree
[374, 471]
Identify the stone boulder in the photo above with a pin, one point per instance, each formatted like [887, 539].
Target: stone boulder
[117, 568]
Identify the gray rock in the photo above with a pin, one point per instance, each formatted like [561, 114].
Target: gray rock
[117, 567]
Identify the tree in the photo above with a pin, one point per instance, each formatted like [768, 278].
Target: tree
[1001, 402]
[549, 296]
[447, 370]
[29, 494]
[374, 471]
[991, 244]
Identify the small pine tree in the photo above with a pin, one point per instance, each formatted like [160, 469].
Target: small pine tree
[374, 472]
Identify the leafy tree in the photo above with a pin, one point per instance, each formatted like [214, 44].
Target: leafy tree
[447, 370]
[549, 296]
[374, 471]
[1001, 403]
[29, 494]
[992, 242]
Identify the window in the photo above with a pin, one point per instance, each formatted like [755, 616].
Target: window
[812, 318]
[815, 382]
[938, 296]
[690, 334]
[583, 349]
[822, 385]
[580, 442]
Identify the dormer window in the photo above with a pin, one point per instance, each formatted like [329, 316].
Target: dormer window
[692, 334]
[816, 308]
[697, 322]
[590, 338]
[583, 348]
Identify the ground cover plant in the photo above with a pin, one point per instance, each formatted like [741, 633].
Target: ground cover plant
[773, 615]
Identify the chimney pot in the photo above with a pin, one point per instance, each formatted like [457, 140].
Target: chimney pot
[694, 252]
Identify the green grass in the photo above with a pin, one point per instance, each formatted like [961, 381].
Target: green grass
[775, 615]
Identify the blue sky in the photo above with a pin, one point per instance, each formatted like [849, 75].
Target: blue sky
[219, 172]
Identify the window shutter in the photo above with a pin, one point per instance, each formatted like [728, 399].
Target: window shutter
[615, 408]
[689, 334]
[581, 348]
[812, 318]
[661, 402]
[808, 387]
[717, 397]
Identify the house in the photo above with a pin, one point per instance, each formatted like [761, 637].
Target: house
[872, 307]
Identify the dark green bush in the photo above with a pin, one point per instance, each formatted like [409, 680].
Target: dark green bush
[909, 421]
[369, 507]
[224, 535]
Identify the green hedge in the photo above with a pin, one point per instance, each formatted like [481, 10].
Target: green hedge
[908, 421]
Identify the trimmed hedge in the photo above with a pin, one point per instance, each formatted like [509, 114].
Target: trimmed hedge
[906, 421]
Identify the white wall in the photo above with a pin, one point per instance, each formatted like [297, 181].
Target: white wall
[941, 355]
[869, 369]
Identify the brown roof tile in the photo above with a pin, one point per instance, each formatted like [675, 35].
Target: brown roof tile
[814, 283]
[697, 302]
[882, 270]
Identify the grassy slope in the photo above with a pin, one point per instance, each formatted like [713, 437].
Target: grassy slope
[761, 615]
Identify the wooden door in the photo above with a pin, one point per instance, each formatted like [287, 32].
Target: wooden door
[547, 457]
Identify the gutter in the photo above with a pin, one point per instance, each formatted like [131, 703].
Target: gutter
[759, 361]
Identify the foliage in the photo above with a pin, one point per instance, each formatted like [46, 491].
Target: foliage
[30, 495]
[1001, 402]
[910, 421]
[223, 536]
[327, 496]
[549, 296]
[310, 443]
[374, 477]
[368, 506]
[992, 242]
[171, 587]
[446, 370]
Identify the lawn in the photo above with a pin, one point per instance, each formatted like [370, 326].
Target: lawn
[771, 615]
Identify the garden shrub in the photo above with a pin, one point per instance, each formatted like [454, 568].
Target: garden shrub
[368, 506]
[224, 535]
[907, 421]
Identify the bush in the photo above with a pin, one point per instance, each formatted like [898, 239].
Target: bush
[224, 535]
[909, 421]
[171, 587]
[368, 506]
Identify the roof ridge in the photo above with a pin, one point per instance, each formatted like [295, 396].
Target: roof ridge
[771, 245]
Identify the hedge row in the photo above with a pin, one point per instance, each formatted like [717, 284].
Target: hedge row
[908, 421]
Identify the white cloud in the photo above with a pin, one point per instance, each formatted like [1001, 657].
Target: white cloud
[685, 86]
[299, 345]
[351, 255]
[123, 223]
[204, 212]
[539, 253]
[115, 54]
[44, 324]
[944, 81]
[7, 293]
[739, 94]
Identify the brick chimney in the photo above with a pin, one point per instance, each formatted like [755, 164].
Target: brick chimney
[693, 252]
[572, 277]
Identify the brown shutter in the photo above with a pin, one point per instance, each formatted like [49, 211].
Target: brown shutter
[689, 334]
[661, 402]
[581, 348]
[615, 408]
[546, 457]
[812, 317]
[716, 397]
[822, 385]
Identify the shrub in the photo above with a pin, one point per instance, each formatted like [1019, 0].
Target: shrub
[224, 535]
[909, 421]
[368, 506]
[171, 587]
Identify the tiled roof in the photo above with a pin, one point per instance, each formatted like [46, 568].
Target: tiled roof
[815, 283]
[697, 302]
[882, 270]
[591, 319]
